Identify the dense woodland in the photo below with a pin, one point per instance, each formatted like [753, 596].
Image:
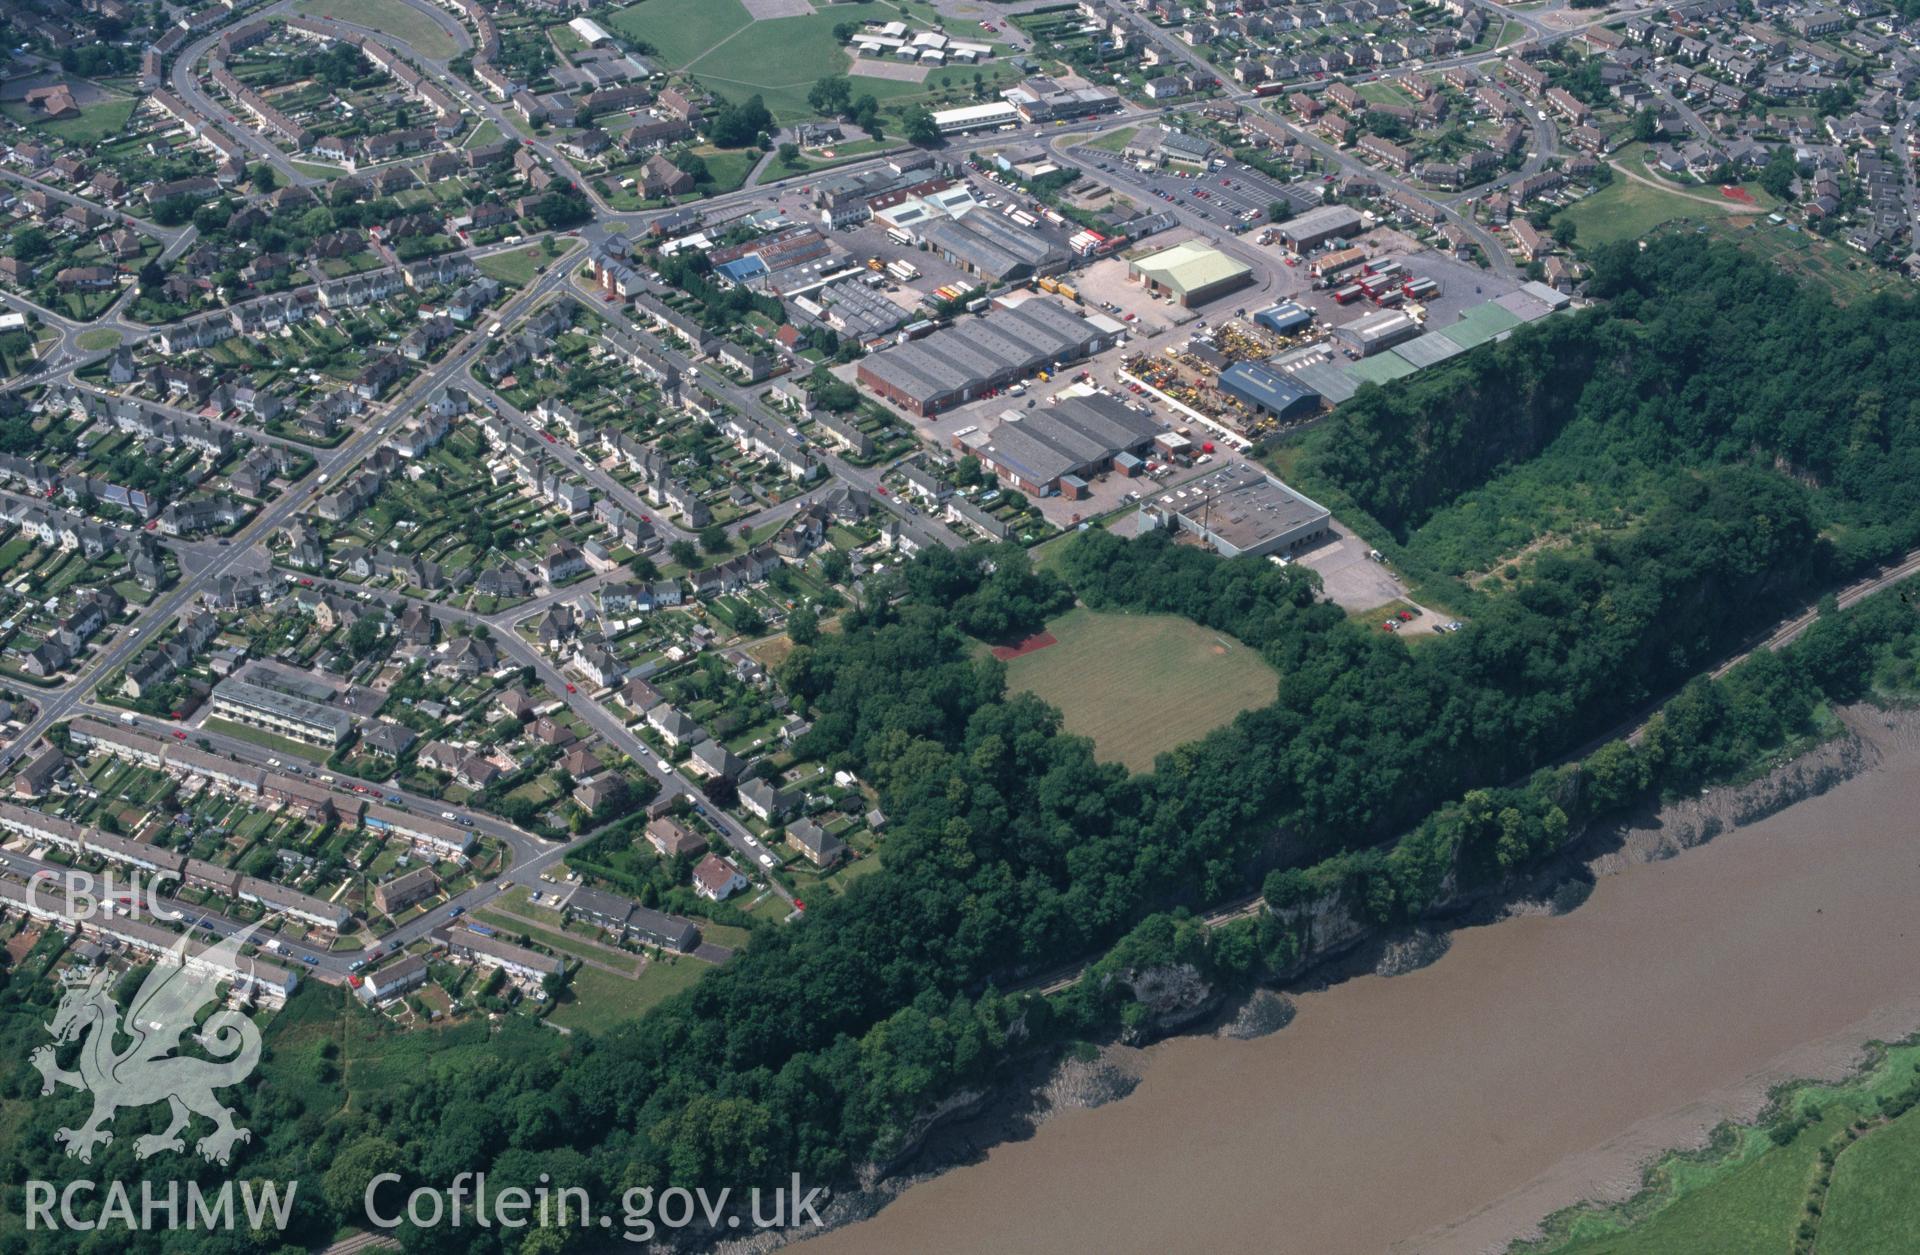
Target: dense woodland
[1393, 776]
[1702, 357]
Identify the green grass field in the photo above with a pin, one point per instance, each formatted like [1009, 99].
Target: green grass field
[779, 58]
[399, 20]
[95, 122]
[99, 338]
[1747, 1192]
[1142, 684]
[1871, 1209]
[1628, 210]
[681, 31]
[516, 268]
[599, 1000]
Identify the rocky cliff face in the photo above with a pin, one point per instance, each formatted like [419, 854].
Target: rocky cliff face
[1169, 998]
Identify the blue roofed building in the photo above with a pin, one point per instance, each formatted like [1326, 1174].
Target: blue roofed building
[1268, 391]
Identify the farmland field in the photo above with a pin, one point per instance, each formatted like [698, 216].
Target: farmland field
[1142, 684]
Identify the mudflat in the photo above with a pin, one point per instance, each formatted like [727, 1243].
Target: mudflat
[1538, 1063]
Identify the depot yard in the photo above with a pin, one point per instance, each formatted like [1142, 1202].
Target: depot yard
[1140, 685]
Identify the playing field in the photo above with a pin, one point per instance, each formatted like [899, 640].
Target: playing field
[420, 32]
[779, 58]
[1142, 684]
[1627, 210]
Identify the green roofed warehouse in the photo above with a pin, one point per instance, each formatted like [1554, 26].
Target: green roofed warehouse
[1191, 273]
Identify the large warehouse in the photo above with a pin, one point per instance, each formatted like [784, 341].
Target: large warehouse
[977, 355]
[995, 248]
[1268, 391]
[1191, 273]
[1058, 448]
[1310, 230]
[1241, 510]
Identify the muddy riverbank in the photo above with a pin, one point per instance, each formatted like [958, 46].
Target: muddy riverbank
[1528, 1065]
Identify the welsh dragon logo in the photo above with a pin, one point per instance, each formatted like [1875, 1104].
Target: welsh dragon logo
[147, 1072]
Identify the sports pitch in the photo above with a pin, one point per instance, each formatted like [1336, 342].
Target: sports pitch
[779, 58]
[1142, 684]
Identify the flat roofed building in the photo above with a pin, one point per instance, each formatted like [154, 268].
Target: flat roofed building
[976, 355]
[1191, 273]
[281, 713]
[1241, 511]
[975, 117]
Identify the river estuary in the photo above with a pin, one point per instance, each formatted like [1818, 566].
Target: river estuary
[1535, 1064]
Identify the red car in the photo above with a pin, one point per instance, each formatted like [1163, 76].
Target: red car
[570, 688]
[178, 735]
[549, 436]
[882, 491]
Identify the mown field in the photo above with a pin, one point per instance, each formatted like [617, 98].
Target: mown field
[425, 35]
[780, 58]
[1142, 684]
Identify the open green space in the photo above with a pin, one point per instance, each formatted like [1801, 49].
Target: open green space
[94, 123]
[681, 31]
[1627, 210]
[777, 58]
[1835, 269]
[516, 268]
[1142, 684]
[99, 338]
[1870, 1208]
[596, 1000]
[1115, 141]
[402, 21]
[1828, 1170]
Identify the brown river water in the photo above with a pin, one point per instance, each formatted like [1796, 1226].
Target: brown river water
[1537, 1063]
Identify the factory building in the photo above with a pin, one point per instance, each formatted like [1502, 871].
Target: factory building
[1286, 319]
[1058, 448]
[1268, 391]
[978, 355]
[1310, 230]
[1377, 332]
[1240, 510]
[997, 249]
[1191, 273]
